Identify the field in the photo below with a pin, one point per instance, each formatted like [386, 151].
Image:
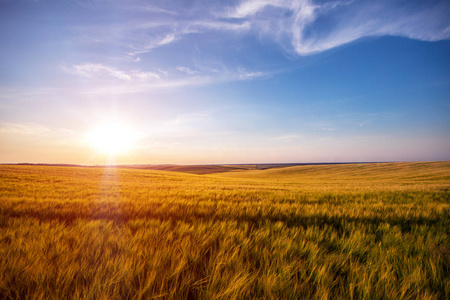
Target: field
[359, 231]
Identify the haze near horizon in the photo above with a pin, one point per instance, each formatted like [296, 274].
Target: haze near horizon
[215, 82]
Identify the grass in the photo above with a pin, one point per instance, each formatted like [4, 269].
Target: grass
[366, 231]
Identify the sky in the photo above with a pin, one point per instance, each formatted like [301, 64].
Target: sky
[221, 82]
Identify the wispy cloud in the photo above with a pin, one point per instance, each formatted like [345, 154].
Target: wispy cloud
[25, 128]
[345, 21]
[186, 70]
[99, 71]
[250, 75]
[147, 8]
[152, 43]
[308, 26]
[134, 81]
[145, 75]
[144, 37]
[288, 138]
[219, 25]
[23, 93]
[303, 27]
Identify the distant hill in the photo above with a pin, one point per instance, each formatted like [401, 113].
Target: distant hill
[196, 169]
[412, 172]
[192, 169]
[211, 169]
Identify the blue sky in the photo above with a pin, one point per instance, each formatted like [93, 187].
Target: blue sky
[226, 81]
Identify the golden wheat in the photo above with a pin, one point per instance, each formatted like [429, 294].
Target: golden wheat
[369, 231]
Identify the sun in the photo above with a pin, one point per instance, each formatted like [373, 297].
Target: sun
[112, 138]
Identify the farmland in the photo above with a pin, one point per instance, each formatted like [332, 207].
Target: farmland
[358, 231]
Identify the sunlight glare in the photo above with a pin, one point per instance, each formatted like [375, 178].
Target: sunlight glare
[112, 138]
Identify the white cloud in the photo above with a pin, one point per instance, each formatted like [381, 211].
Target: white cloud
[26, 128]
[136, 81]
[167, 39]
[250, 75]
[148, 8]
[148, 36]
[345, 21]
[251, 7]
[217, 25]
[306, 26]
[186, 70]
[152, 43]
[99, 70]
[23, 93]
[145, 75]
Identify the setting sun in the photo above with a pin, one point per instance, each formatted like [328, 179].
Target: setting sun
[112, 138]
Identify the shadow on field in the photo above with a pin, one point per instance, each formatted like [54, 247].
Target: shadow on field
[339, 223]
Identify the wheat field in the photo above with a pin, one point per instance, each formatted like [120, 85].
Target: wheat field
[356, 231]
